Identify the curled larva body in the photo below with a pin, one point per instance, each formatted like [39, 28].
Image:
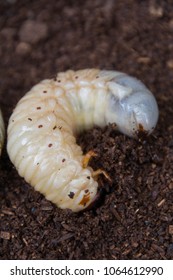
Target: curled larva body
[42, 129]
[2, 132]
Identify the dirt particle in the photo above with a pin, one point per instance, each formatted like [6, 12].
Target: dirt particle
[155, 10]
[5, 235]
[170, 64]
[170, 229]
[144, 60]
[33, 31]
[23, 49]
[161, 202]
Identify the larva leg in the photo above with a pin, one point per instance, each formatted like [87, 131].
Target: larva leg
[87, 158]
[99, 171]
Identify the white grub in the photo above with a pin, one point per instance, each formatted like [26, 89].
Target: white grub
[2, 132]
[41, 131]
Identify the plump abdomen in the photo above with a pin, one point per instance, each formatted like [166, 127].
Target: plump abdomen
[42, 146]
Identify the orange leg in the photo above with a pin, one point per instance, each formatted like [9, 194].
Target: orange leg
[87, 158]
[99, 171]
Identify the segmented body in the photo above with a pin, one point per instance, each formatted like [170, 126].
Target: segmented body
[42, 129]
[2, 132]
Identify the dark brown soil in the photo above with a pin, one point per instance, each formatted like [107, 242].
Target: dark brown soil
[134, 217]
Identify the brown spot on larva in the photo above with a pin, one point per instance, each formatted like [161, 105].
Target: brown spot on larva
[71, 195]
[29, 119]
[54, 127]
[39, 108]
[50, 145]
[140, 127]
[40, 125]
[86, 191]
[38, 163]
[12, 120]
[59, 81]
[97, 77]
[141, 133]
[44, 91]
[76, 77]
[85, 199]
[63, 160]
[60, 127]
[88, 177]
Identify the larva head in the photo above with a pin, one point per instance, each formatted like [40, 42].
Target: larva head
[131, 106]
[82, 193]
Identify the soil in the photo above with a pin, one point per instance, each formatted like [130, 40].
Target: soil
[133, 218]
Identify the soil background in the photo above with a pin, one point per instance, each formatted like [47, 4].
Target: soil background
[134, 217]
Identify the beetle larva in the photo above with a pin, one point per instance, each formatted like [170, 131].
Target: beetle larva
[2, 132]
[42, 129]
